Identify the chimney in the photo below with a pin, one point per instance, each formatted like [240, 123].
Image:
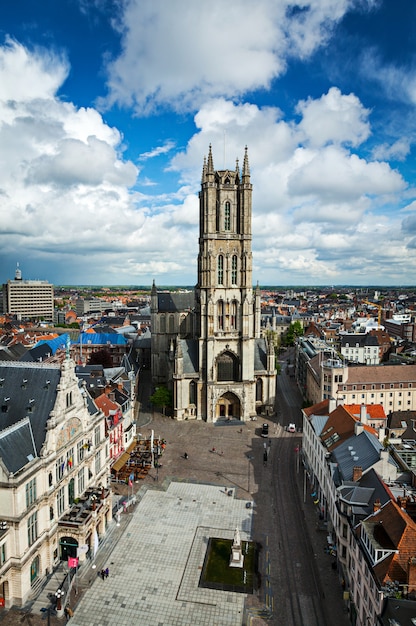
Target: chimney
[332, 405]
[411, 574]
[358, 428]
[402, 502]
[363, 414]
[376, 505]
[357, 473]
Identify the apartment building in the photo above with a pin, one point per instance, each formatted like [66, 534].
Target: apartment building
[360, 348]
[359, 489]
[392, 386]
[28, 299]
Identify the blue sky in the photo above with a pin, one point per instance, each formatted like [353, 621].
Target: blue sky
[108, 107]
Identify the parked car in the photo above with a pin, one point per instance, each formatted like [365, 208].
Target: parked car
[291, 428]
[265, 430]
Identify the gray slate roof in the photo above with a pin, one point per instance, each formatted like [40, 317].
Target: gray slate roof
[172, 302]
[361, 450]
[26, 391]
[260, 355]
[190, 352]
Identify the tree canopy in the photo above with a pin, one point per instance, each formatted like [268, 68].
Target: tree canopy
[162, 397]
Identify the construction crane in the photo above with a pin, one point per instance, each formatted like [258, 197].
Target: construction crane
[377, 306]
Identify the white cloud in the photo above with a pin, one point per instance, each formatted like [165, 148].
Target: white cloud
[164, 149]
[334, 118]
[66, 190]
[35, 75]
[189, 51]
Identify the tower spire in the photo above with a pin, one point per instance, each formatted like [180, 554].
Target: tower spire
[246, 167]
[210, 169]
[204, 169]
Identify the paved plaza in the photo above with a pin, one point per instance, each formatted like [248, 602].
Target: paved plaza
[156, 565]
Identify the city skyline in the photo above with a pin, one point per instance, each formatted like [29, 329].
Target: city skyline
[108, 108]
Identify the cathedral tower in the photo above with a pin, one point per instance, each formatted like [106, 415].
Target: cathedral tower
[229, 312]
[222, 368]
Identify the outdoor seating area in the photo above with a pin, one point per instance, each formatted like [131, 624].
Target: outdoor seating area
[81, 511]
[141, 457]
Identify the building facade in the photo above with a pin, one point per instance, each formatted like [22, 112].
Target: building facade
[54, 464]
[220, 365]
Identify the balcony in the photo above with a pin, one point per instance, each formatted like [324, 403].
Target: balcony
[88, 506]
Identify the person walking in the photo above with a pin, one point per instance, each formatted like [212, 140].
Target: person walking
[106, 572]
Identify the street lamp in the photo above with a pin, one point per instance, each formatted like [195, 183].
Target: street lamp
[59, 593]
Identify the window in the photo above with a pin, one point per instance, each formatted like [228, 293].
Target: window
[80, 451]
[60, 468]
[69, 399]
[97, 436]
[162, 324]
[60, 501]
[220, 309]
[171, 324]
[98, 462]
[259, 390]
[192, 392]
[227, 216]
[30, 492]
[220, 270]
[32, 528]
[2, 554]
[70, 458]
[34, 570]
[233, 315]
[234, 269]
[227, 367]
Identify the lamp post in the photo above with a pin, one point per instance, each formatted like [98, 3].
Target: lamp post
[59, 593]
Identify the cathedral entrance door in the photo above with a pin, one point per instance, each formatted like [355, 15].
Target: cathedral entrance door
[228, 407]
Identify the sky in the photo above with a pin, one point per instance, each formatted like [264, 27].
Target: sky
[108, 108]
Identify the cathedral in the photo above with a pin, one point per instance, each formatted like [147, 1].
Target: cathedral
[206, 345]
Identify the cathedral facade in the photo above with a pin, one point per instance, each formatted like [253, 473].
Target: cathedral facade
[207, 345]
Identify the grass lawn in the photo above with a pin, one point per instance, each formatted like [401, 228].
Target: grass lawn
[217, 573]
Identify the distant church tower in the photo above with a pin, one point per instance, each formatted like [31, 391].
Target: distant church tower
[226, 370]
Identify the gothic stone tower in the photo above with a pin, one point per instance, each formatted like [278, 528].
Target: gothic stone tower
[229, 311]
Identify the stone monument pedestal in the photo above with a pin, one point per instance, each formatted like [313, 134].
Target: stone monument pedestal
[237, 558]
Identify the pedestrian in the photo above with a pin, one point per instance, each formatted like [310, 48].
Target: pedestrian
[185, 455]
[68, 613]
[102, 574]
[106, 572]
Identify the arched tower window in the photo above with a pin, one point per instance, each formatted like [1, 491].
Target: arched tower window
[220, 270]
[227, 367]
[227, 216]
[234, 269]
[162, 324]
[220, 310]
[233, 315]
[171, 323]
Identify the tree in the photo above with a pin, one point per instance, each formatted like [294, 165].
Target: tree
[295, 330]
[162, 397]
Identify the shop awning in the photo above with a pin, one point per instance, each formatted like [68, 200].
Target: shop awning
[122, 460]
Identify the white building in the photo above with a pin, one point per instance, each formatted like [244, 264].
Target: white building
[28, 299]
[54, 466]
